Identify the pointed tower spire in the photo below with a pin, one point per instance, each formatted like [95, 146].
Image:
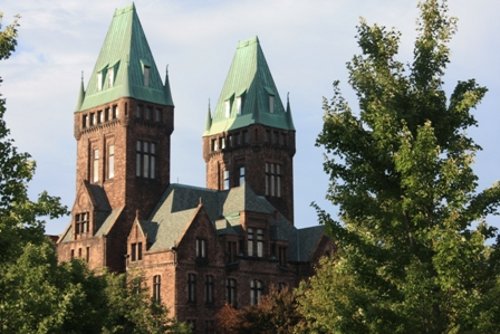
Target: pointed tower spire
[249, 95]
[166, 88]
[81, 94]
[125, 66]
[208, 123]
[289, 111]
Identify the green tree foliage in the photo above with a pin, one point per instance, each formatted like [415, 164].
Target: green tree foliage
[412, 254]
[37, 295]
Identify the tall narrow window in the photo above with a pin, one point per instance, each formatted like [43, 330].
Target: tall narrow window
[95, 165]
[133, 253]
[99, 81]
[139, 251]
[191, 288]
[157, 115]
[115, 112]
[145, 159]
[239, 101]
[111, 77]
[260, 242]
[92, 119]
[227, 108]
[100, 117]
[87, 254]
[231, 291]
[201, 248]
[256, 288]
[250, 242]
[157, 288]
[271, 104]
[282, 256]
[111, 161]
[147, 73]
[84, 121]
[241, 170]
[273, 179]
[226, 184]
[209, 289]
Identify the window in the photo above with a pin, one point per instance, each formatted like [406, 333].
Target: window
[239, 101]
[222, 143]
[100, 79]
[201, 248]
[191, 288]
[255, 243]
[226, 184]
[92, 119]
[157, 115]
[79, 252]
[241, 172]
[82, 224]
[147, 73]
[236, 139]
[209, 289]
[245, 137]
[148, 113]
[215, 145]
[227, 108]
[271, 104]
[111, 77]
[273, 179]
[72, 256]
[116, 112]
[136, 251]
[95, 165]
[87, 254]
[256, 288]
[111, 161]
[138, 111]
[145, 159]
[231, 291]
[157, 288]
[106, 115]
[84, 121]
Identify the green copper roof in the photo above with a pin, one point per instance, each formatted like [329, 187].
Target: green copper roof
[125, 65]
[249, 95]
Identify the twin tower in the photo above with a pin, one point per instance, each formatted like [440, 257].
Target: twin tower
[123, 124]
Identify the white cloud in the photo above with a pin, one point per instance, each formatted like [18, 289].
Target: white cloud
[306, 43]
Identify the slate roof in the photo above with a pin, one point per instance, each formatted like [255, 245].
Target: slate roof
[180, 204]
[249, 77]
[126, 52]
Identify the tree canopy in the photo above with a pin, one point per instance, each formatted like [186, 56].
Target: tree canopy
[38, 295]
[411, 231]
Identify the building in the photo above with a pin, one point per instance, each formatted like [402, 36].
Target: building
[196, 248]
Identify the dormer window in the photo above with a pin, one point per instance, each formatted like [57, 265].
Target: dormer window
[147, 75]
[271, 104]
[100, 80]
[227, 108]
[239, 104]
[111, 77]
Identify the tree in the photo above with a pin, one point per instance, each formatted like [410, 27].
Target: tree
[412, 253]
[36, 294]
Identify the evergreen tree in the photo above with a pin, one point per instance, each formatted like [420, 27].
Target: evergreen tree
[412, 235]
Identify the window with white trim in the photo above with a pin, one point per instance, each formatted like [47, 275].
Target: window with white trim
[95, 165]
[226, 178]
[111, 161]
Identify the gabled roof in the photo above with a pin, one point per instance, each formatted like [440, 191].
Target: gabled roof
[249, 79]
[180, 204]
[126, 53]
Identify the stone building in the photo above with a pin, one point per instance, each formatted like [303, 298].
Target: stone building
[195, 248]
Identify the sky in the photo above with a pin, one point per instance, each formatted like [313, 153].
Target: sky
[306, 44]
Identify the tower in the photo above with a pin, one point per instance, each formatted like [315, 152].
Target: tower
[122, 125]
[250, 137]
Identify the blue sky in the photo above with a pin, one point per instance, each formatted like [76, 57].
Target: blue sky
[306, 43]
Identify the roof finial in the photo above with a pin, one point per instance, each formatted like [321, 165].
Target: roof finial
[81, 95]
[166, 87]
[288, 102]
[208, 123]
